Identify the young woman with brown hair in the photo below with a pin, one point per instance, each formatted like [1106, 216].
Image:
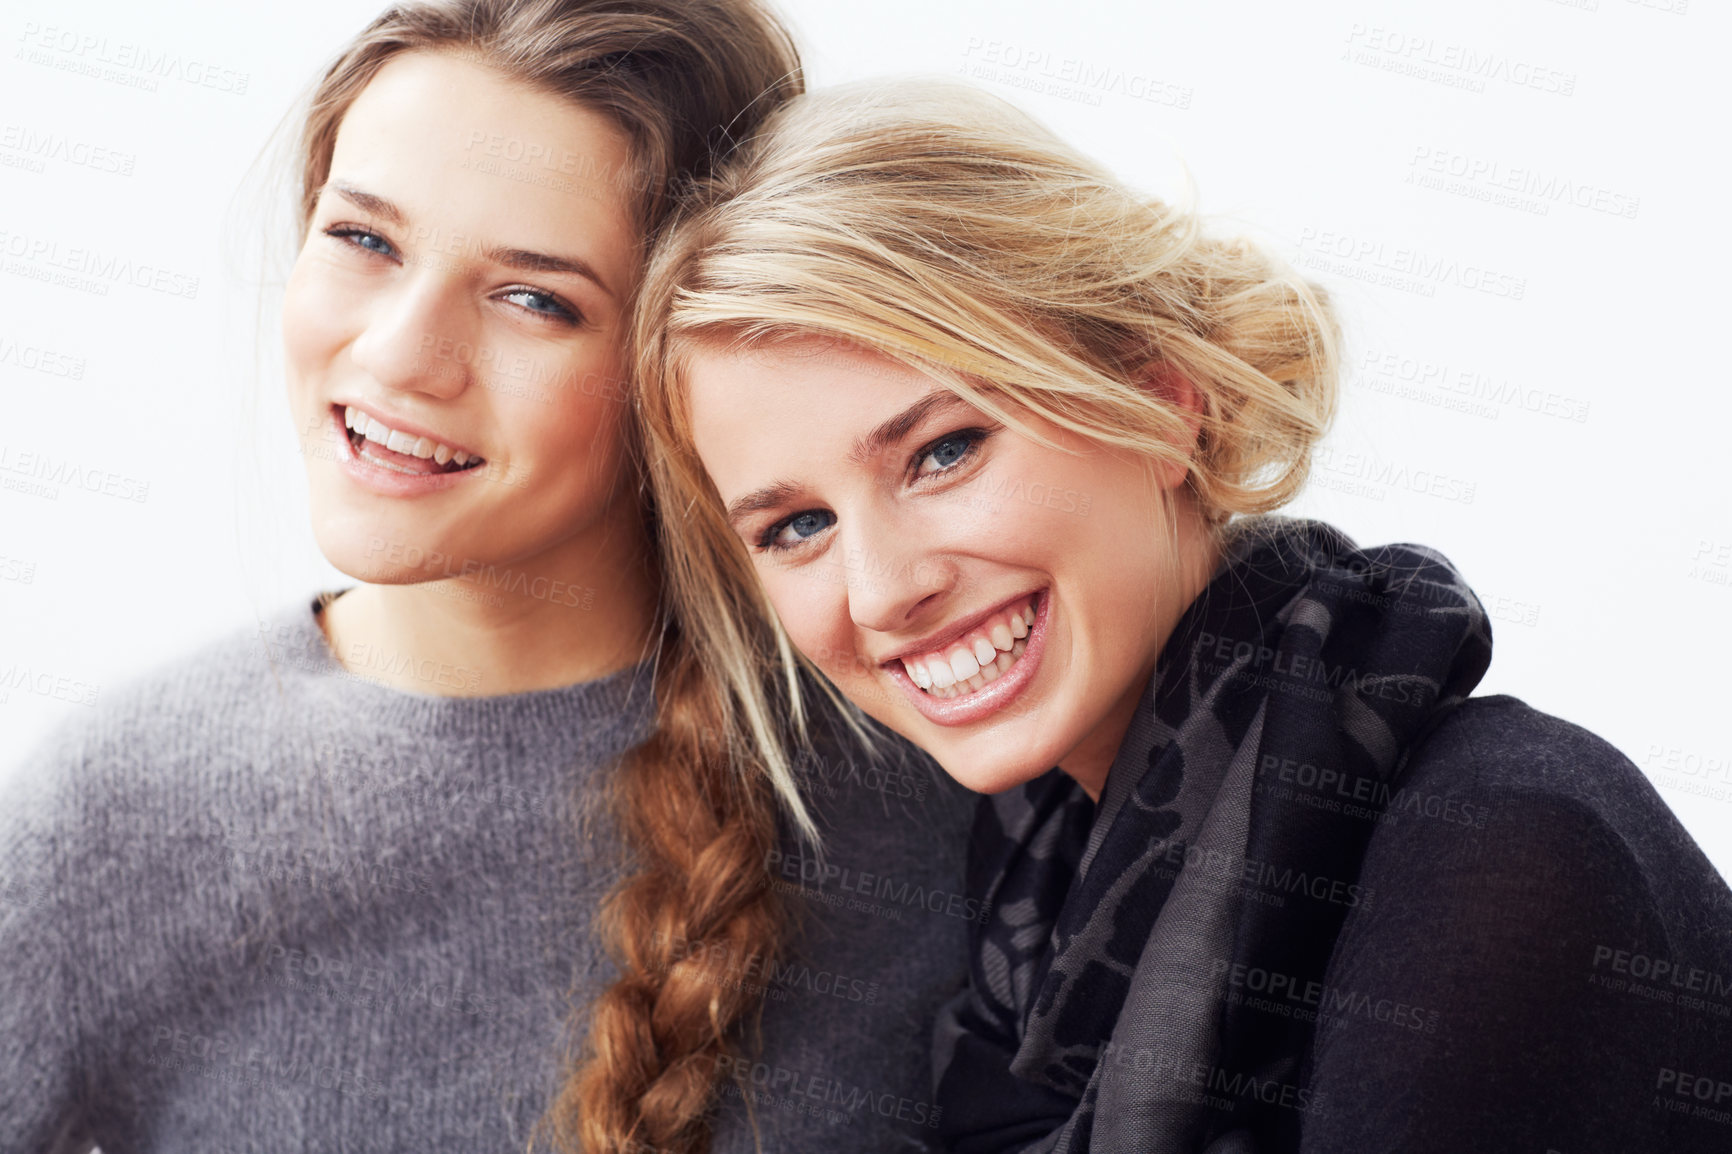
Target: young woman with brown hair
[991, 443]
[335, 884]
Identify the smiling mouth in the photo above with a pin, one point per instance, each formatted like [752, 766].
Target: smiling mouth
[379, 444]
[979, 657]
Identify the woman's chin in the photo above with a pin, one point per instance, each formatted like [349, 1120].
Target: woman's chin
[368, 557]
[985, 762]
[991, 775]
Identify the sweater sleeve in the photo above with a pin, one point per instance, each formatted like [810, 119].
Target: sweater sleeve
[42, 1066]
[1487, 1002]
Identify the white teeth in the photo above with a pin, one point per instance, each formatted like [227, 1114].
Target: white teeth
[400, 442]
[976, 662]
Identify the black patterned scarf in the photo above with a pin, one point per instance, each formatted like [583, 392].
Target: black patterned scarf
[1228, 837]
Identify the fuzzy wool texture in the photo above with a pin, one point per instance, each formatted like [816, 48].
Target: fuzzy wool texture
[252, 902]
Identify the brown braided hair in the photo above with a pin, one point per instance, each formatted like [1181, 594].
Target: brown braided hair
[684, 79]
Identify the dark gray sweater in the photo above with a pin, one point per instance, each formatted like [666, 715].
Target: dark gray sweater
[257, 903]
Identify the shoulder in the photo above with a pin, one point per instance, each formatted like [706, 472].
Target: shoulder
[149, 745]
[1497, 786]
[1519, 848]
[1523, 874]
[1510, 746]
[96, 818]
[1533, 776]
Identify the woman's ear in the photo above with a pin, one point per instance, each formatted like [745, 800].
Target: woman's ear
[1166, 382]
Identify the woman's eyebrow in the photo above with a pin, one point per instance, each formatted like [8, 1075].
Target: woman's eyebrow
[523, 260]
[898, 427]
[881, 437]
[520, 259]
[768, 497]
[366, 201]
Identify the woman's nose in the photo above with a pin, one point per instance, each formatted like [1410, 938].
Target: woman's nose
[891, 573]
[419, 337]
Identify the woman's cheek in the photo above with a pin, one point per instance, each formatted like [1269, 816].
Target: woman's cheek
[820, 630]
[999, 521]
[314, 324]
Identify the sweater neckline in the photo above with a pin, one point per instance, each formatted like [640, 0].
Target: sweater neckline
[297, 645]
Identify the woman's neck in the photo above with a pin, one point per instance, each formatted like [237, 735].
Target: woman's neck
[575, 613]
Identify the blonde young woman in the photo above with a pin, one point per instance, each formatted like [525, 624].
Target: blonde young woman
[991, 443]
[337, 883]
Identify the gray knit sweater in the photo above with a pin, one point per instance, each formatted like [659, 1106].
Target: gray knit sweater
[257, 903]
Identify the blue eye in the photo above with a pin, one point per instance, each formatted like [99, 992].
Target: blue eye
[796, 529]
[544, 304]
[362, 239]
[948, 451]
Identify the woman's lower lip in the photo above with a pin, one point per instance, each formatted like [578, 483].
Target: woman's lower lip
[387, 482]
[994, 695]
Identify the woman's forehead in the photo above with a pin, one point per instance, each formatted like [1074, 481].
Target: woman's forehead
[488, 161]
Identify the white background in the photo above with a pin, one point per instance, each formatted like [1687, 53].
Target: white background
[1535, 384]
